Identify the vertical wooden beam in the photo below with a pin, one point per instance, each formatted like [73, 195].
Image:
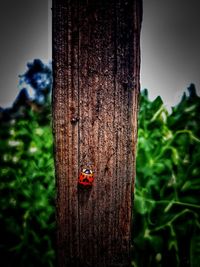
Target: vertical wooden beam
[96, 64]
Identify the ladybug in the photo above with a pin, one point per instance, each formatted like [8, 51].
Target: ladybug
[86, 178]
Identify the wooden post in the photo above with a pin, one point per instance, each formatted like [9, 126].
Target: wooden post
[96, 64]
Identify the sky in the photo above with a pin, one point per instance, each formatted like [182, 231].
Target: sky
[25, 35]
[170, 41]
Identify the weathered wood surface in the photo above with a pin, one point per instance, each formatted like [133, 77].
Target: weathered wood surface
[96, 64]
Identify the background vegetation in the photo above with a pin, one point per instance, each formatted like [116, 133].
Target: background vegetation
[166, 210]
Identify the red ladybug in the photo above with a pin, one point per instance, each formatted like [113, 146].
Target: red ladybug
[86, 178]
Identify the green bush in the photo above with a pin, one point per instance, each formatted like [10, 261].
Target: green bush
[166, 207]
[27, 189]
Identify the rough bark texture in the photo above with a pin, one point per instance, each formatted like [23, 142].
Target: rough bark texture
[96, 63]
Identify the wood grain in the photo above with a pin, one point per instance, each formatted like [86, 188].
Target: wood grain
[96, 65]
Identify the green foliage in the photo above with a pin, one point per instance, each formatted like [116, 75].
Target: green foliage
[166, 208]
[27, 191]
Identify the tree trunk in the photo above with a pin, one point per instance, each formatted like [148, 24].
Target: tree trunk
[96, 64]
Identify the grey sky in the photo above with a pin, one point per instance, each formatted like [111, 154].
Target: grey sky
[170, 45]
[24, 36]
